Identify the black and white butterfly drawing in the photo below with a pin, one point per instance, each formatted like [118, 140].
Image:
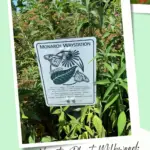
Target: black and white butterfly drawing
[54, 60]
[80, 77]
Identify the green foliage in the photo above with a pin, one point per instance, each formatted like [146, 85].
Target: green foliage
[140, 1]
[44, 20]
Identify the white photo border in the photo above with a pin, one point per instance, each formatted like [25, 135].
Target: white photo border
[131, 76]
[141, 8]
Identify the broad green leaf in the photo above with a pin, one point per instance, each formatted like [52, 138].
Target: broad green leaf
[65, 108]
[89, 130]
[71, 117]
[109, 89]
[46, 139]
[111, 102]
[56, 112]
[67, 129]
[83, 113]
[89, 117]
[97, 124]
[121, 123]
[31, 139]
[103, 82]
[109, 68]
[97, 110]
[24, 117]
[62, 117]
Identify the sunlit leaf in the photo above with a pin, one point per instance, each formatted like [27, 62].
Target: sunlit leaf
[89, 117]
[103, 82]
[109, 68]
[124, 85]
[120, 72]
[46, 139]
[109, 89]
[89, 130]
[62, 118]
[57, 111]
[111, 102]
[121, 123]
[98, 124]
[83, 113]
[31, 139]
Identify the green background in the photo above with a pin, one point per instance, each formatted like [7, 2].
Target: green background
[8, 122]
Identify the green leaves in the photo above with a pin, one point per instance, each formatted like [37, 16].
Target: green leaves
[97, 122]
[31, 139]
[121, 122]
[124, 85]
[89, 130]
[46, 139]
[103, 82]
[63, 19]
[109, 89]
[120, 72]
[109, 68]
[114, 98]
[83, 113]
[62, 118]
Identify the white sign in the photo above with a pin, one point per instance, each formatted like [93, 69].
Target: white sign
[68, 76]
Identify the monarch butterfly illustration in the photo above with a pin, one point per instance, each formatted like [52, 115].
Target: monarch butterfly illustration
[80, 77]
[54, 60]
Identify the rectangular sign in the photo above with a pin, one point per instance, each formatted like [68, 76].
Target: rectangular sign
[67, 74]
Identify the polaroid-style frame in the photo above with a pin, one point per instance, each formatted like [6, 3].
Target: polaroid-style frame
[131, 75]
[141, 8]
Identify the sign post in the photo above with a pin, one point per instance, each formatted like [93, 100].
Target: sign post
[68, 77]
